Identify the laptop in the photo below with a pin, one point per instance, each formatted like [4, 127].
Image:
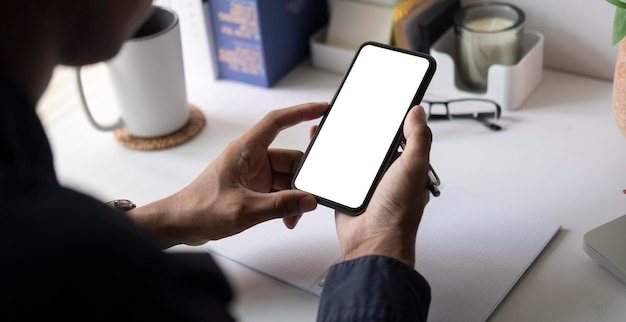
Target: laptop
[606, 244]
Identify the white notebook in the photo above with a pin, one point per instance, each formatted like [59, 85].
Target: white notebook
[472, 252]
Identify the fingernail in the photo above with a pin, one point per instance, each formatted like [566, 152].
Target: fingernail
[308, 203]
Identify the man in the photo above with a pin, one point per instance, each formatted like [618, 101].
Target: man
[66, 255]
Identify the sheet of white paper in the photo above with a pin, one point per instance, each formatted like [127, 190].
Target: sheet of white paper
[299, 257]
[471, 252]
[352, 23]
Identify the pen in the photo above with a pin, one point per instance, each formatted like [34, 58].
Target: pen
[433, 178]
[434, 183]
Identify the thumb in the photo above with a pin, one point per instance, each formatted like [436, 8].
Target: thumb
[417, 133]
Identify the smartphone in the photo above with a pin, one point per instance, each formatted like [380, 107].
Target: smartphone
[362, 129]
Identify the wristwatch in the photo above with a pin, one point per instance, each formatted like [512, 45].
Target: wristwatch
[122, 204]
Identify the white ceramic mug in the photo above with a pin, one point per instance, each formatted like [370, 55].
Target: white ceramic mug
[148, 79]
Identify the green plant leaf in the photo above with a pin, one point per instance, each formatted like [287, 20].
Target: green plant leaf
[619, 24]
[618, 3]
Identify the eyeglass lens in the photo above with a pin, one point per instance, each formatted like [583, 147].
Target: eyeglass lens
[481, 110]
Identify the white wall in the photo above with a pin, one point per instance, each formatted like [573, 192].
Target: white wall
[577, 33]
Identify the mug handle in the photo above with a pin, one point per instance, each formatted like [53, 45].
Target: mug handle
[83, 102]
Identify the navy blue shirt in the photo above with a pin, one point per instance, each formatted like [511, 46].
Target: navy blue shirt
[67, 255]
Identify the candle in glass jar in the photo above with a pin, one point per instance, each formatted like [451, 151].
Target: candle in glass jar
[489, 24]
[486, 35]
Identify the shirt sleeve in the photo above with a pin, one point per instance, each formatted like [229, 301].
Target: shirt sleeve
[374, 288]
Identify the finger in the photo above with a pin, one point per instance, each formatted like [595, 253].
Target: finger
[312, 131]
[291, 222]
[284, 160]
[266, 130]
[281, 204]
[283, 164]
[281, 181]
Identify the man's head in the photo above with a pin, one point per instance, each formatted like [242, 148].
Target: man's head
[37, 35]
[94, 30]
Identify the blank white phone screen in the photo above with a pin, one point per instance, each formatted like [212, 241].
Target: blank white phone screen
[343, 162]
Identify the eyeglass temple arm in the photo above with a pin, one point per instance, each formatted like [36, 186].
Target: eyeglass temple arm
[480, 117]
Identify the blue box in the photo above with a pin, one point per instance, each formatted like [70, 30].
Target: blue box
[259, 41]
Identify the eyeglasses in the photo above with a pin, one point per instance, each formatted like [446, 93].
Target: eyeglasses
[478, 109]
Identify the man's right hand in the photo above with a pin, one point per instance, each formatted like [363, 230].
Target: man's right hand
[389, 224]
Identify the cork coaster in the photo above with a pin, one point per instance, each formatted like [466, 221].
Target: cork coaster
[184, 134]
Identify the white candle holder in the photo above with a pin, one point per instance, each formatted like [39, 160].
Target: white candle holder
[508, 85]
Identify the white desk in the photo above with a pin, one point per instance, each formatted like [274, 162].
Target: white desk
[560, 157]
